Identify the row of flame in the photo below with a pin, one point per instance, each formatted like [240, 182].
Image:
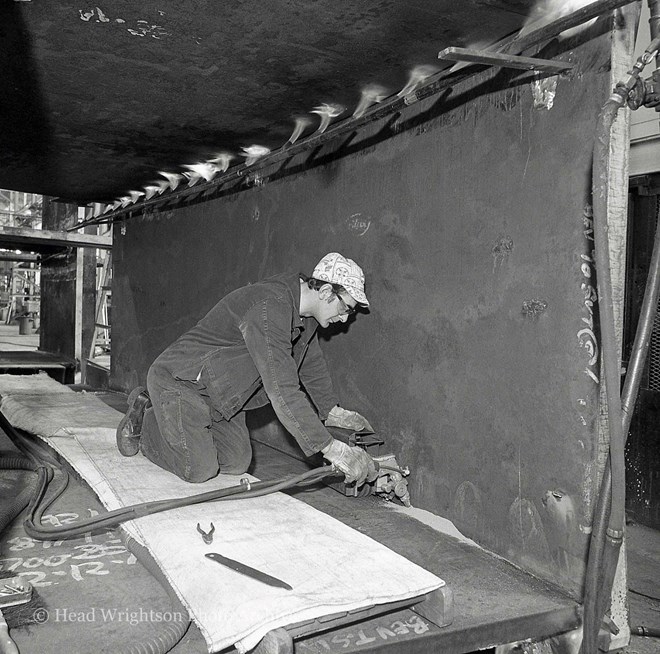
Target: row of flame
[207, 170]
[544, 11]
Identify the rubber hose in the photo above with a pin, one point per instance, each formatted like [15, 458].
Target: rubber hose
[118, 516]
[172, 631]
[13, 506]
[16, 461]
[648, 632]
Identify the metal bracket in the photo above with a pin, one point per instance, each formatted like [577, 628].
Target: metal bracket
[504, 60]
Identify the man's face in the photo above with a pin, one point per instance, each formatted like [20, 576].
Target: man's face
[333, 307]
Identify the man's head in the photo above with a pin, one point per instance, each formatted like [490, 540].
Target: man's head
[337, 284]
[340, 271]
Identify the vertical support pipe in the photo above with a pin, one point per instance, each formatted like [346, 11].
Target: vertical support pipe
[654, 23]
[605, 543]
[607, 551]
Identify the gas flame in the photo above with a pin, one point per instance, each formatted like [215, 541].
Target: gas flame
[547, 11]
[301, 123]
[192, 177]
[151, 190]
[221, 161]
[206, 170]
[417, 75]
[172, 178]
[327, 113]
[254, 152]
[370, 95]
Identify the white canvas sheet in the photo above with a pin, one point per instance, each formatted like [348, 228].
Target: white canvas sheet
[331, 567]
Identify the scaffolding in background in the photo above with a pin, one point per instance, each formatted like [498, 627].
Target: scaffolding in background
[23, 295]
[101, 341]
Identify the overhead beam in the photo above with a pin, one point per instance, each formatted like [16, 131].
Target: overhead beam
[39, 239]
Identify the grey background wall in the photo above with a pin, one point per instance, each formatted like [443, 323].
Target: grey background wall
[476, 361]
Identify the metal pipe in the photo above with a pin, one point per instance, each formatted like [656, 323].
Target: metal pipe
[654, 22]
[434, 85]
[578, 17]
[606, 543]
[642, 336]
[654, 25]
[612, 368]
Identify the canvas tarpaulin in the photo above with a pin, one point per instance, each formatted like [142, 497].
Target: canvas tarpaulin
[331, 567]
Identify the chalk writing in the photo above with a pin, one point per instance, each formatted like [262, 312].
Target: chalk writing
[366, 635]
[41, 564]
[587, 336]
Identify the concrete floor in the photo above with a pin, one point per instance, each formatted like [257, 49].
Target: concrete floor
[12, 341]
[643, 543]
[643, 549]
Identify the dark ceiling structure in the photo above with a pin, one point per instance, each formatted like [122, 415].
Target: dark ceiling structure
[98, 99]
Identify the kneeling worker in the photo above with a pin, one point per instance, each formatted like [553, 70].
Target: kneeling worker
[256, 345]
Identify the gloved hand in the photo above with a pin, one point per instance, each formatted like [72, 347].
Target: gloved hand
[354, 462]
[345, 419]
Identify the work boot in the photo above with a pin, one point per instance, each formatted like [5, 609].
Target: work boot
[130, 427]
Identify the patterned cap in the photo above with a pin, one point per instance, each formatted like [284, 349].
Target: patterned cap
[336, 269]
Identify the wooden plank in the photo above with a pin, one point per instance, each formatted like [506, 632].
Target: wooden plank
[277, 641]
[437, 607]
[24, 236]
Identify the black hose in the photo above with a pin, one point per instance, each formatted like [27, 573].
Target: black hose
[10, 460]
[648, 632]
[34, 528]
[13, 506]
[173, 630]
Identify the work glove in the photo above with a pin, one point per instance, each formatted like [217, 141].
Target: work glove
[354, 462]
[345, 419]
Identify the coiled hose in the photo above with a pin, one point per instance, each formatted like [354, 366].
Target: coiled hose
[171, 632]
[11, 507]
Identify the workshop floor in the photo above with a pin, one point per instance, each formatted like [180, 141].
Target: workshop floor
[643, 550]
[97, 571]
[12, 341]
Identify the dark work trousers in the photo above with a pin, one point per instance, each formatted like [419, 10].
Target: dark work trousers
[182, 433]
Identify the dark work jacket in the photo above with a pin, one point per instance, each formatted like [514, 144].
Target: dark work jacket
[253, 347]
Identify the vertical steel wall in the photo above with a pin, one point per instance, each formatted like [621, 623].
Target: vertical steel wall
[478, 360]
